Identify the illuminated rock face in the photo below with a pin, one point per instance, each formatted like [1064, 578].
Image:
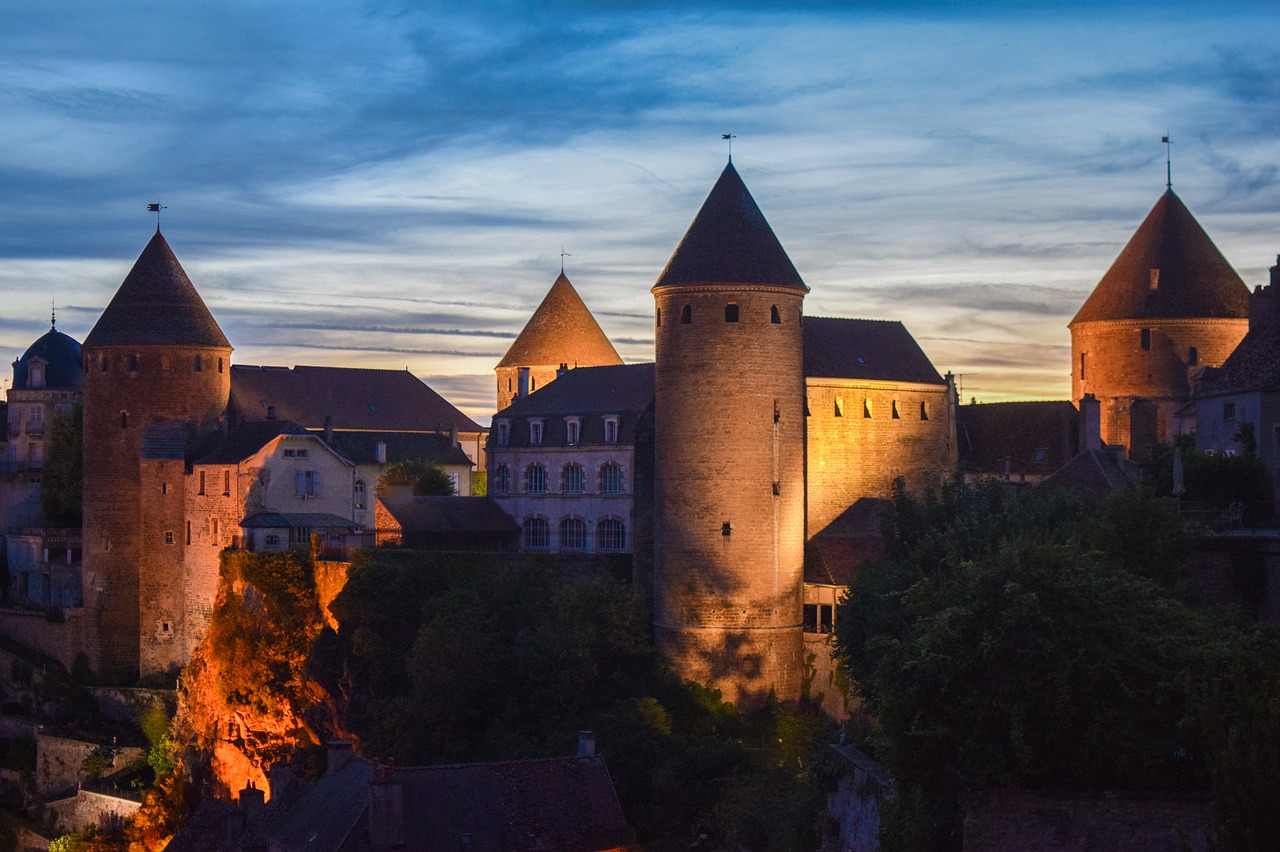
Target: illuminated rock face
[1169, 306]
[729, 459]
[157, 371]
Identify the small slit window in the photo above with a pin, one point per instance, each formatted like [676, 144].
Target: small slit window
[1144, 338]
[1193, 357]
[924, 411]
[659, 316]
[219, 365]
[1082, 365]
[133, 363]
[731, 312]
[196, 364]
[866, 408]
[839, 407]
[896, 415]
[686, 315]
[774, 316]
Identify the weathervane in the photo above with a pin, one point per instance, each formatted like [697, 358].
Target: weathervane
[53, 314]
[1168, 160]
[563, 255]
[729, 137]
[155, 207]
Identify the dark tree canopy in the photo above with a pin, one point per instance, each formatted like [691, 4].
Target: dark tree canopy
[60, 483]
[427, 479]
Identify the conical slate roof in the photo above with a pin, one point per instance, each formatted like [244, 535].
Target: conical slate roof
[1195, 280]
[730, 242]
[156, 304]
[561, 331]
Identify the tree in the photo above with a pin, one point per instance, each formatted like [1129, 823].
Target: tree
[427, 479]
[60, 483]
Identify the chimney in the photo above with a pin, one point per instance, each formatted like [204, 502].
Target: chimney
[280, 776]
[522, 382]
[1090, 423]
[328, 429]
[564, 368]
[586, 744]
[271, 412]
[339, 752]
[251, 799]
[380, 452]
[386, 808]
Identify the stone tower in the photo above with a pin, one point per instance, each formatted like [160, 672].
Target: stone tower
[561, 331]
[157, 375]
[729, 459]
[1169, 306]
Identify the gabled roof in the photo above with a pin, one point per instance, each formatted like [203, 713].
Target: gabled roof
[1035, 437]
[836, 552]
[388, 400]
[561, 331]
[880, 350]
[450, 515]
[589, 390]
[1096, 471]
[1195, 280]
[730, 242]
[157, 304]
[245, 440]
[62, 354]
[361, 447]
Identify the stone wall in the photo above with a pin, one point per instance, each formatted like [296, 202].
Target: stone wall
[854, 806]
[127, 705]
[60, 640]
[59, 762]
[87, 808]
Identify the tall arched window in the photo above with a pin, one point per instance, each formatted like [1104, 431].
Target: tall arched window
[537, 534]
[611, 479]
[358, 496]
[774, 316]
[611, 535]
[572, 482]
[686, 314]
[573, 534]
[196, 364]
[535, 479]
[502, 479]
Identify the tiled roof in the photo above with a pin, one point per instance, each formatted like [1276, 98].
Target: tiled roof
[1194, 279]
[165, 440]
[881, 350]
[730, 242]
[62, 353]
[451, 515]
[244, 440]
[390, 400]
[326, 816]
[834, 555]
[561, 331]
[156, 304]
[361, 447]
[589, 390]
[1036, 437]
[1253, 366]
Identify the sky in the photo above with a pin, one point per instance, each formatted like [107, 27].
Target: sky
[391, 184]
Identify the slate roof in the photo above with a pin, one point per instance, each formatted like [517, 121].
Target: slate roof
[451, 515]
[881, 350]
[285, 520]
[561, 331]
[361, 447]
[356, 398]
[730, 242]
[1036, 437]
[1195, 279]
[589, 390]
[1096, 471]
[834, 555]
[325, 817]
[244, 440]
[157, 304]
[62, 352]
[1254, 365]
[164, 440]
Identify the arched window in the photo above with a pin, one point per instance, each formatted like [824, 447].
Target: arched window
[611, 535]
[537, 534]
[358, 494]
[686, 315]
[573, 534]
[774, 316]
[502, 479]
[924, 411]
[731, 312]
[572, 480]
[196, 364]
[611, 479]
[535, 479]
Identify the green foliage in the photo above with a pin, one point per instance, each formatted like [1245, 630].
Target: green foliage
[1029, 644]
[97, 762]
[60, 482]
[479, 483]
[155, 724]
[1216, 480]
[427, 479]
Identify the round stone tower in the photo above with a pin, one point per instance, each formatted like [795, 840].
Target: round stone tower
[561, 332]
[1169, 306]
[157, 376]
[729, 459]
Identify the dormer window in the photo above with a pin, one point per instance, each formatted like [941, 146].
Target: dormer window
[535, 433]
[504, 433]
[572, 430]
[611, 430]
[35, 375]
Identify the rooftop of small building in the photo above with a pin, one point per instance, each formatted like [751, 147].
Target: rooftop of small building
[874, 350]
[561, 331]
[1037, 436]
[452, 514]
[156, 305]
[351, 397]
[361, 447]
[1170, 250]
[1254, 365]
[617, 389]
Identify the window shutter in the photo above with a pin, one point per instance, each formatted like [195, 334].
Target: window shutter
[315, 482]
[301, 483]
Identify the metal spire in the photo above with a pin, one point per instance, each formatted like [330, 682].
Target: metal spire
[729, 137]
[53, 314]
[155, 207]
[563, 255]
[1168, 160]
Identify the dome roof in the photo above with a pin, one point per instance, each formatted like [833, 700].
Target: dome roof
[157, 304]
[561, 331]
[62, 356]
[730, 242]
[1170, 250]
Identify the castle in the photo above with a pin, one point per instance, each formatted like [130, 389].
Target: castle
[743, 470]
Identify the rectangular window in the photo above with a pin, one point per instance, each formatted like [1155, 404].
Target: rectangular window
[295, 454]
[1193, 356]
[213, 531]
[611, 430]
[226, 483]
[730, 312]
[572, 428]
[896, 415]
[188, 532]
[200, 490]
[299, 536]
[1145, 339]
[305, 483]
[535, 433]
[819, 618]
[168, 536]
[1228, 411]
[164, 488]
[504, 434]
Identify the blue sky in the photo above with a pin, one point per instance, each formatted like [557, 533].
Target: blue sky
[390, 184]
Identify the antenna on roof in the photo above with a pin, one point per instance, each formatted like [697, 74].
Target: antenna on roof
[155, 207]
[1168, 160]
[563, 255]
[729, 137]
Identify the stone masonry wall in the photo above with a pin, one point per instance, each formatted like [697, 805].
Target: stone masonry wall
[59, 762]
[87, 808]
[62, 641]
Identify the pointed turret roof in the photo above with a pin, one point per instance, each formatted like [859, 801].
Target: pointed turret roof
[730, 242]
[156, 304]
[561, 331]
[1194, 279]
